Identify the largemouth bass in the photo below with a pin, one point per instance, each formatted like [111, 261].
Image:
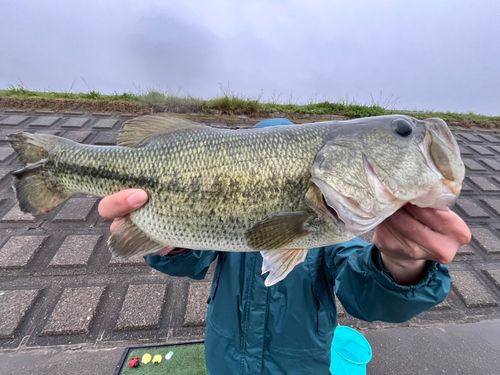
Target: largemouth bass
[279, 190]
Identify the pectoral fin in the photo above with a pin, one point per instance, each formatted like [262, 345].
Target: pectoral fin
[279, 263]
[129, 240]
[278, 230]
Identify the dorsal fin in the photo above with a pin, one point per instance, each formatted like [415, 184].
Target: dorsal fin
[136, 131]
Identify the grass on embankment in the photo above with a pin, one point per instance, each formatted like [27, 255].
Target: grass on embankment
[235, 105]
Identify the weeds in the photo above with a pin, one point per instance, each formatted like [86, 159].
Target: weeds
[231, 103]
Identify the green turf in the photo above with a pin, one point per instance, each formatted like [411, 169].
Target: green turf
[187, 360]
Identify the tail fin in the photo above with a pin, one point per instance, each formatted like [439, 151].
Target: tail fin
[36, 188]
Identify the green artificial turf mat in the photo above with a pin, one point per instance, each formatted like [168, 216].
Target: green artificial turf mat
[186, 360]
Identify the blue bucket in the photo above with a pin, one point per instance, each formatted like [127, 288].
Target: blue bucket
[350, 352]
[273, 122]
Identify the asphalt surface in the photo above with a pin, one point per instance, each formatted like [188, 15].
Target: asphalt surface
[468, 349]
[60, 289]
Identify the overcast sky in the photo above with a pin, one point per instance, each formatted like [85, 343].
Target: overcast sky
[412, 54]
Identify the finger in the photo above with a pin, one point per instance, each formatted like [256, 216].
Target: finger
[413, 232]
[122, 203]
[443, 221]
[396, 246]
[115, 224]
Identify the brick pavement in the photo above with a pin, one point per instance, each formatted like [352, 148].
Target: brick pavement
[59, 285]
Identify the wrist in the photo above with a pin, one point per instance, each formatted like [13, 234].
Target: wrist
[404, 271]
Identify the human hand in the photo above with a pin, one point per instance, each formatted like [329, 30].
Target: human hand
[414, 235]
[119, 205]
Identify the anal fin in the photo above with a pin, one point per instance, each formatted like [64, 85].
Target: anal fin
[279, 263]
[128, 240]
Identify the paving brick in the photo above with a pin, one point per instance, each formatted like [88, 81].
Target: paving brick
[44, 131]
[471, 291]
[494, 275]
[75, 311]
[493, 204]
[106, 123]
[142, 307]
[473, 165]
[75, 122]
[496, 149]
[196, 306]
[490, 137]
[75, 209]
[105, 138]
[4, 172]
[19, 250]
[470, 137]
[44, 121]
[466, 187]
[75, 251]
[487, 239]
[471, 208]
[466, 250]
[464, 151]
[132, 261]
[5, 152]
[101, 114]
[44, 112]
[73, 113]
[481, 150]
[16, 215]
[445, 305]
[484, 183]
[13, 120]
[77, 135]
[492, 164]
[14, 305]
[4, 133]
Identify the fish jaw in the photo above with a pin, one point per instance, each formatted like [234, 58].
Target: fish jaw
[442, 154]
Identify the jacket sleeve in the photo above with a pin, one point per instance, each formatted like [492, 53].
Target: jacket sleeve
[190, 263]
[369, 292]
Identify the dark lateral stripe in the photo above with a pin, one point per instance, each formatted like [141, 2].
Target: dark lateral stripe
[108, 174]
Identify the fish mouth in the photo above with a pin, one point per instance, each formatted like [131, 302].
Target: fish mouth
[441, 163]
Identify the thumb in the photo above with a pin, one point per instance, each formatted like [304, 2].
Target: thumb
[122, 203]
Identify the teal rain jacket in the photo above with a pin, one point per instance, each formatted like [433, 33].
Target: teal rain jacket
[288, 327]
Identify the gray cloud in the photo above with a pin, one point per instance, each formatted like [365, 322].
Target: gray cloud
[413, 54]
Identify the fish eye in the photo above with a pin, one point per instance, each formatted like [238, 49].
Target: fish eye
[402, 128]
